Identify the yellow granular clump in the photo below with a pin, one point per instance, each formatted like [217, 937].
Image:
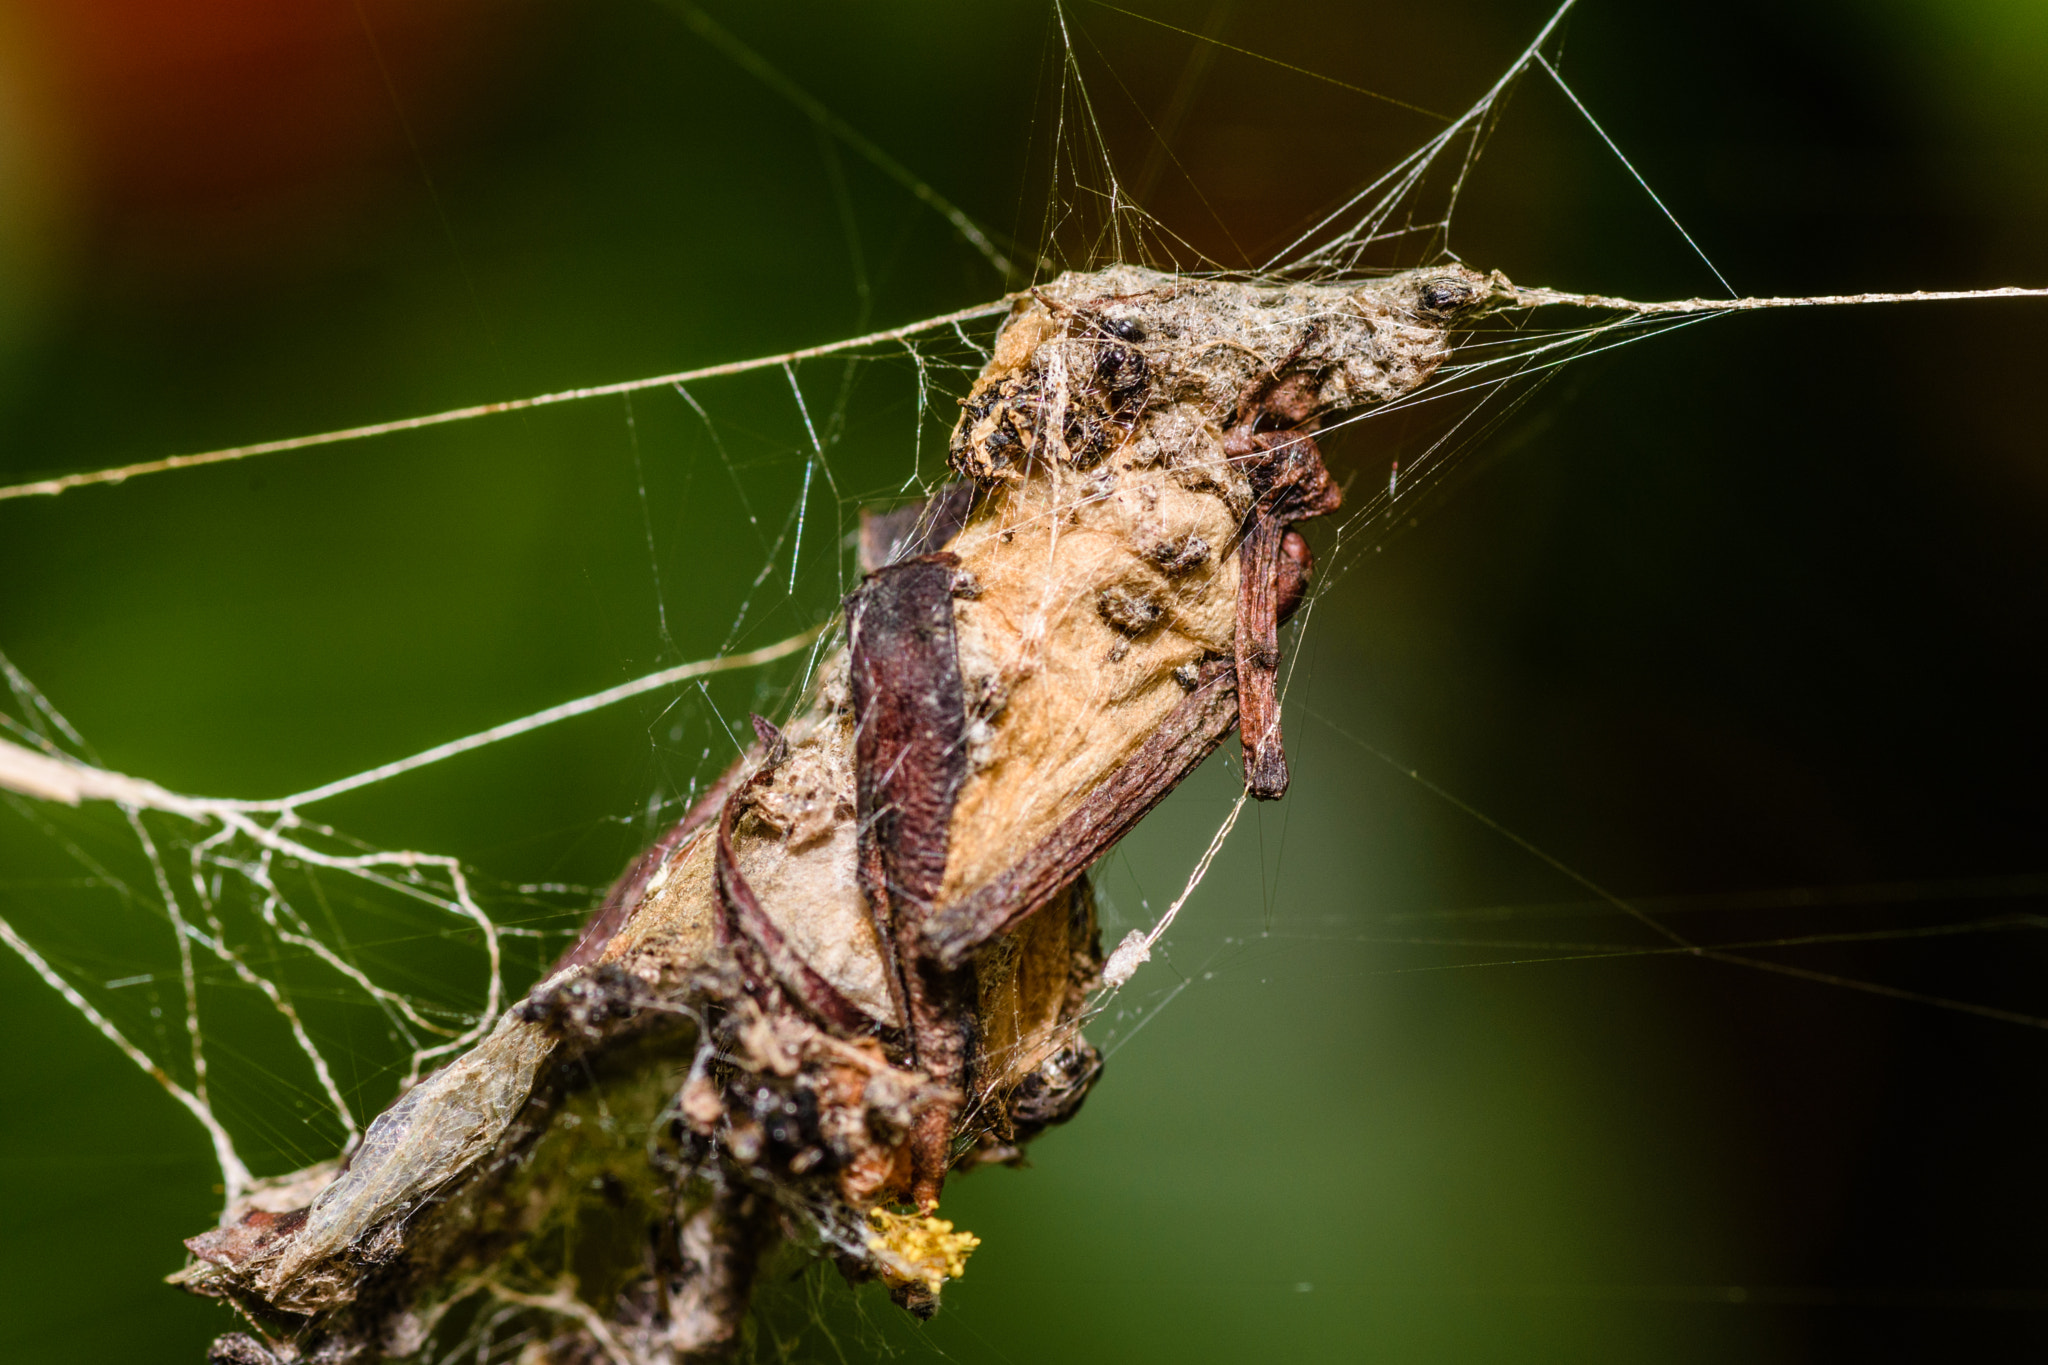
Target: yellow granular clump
[919, 1247]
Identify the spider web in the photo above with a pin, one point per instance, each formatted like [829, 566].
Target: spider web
[306, 974]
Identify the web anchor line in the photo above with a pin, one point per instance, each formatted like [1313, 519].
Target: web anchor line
[49, 774]
[122, 473]
[1509, 296]
[1629, 166]
[1516, 296]
[53, 777]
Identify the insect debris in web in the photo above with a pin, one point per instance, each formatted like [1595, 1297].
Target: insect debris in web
[860, 964]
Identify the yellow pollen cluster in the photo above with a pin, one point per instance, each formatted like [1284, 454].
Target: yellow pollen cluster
[919, 1247]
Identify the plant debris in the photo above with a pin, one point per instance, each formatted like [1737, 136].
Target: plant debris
[861, 963]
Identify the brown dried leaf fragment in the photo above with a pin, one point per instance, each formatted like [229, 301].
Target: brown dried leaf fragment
[910, 717]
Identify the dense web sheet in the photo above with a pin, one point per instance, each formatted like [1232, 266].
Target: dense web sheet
[277, 926]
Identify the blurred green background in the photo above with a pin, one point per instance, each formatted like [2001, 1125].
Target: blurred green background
[1745, 621]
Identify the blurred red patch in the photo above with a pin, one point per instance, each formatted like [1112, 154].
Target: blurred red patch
[221, 113]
